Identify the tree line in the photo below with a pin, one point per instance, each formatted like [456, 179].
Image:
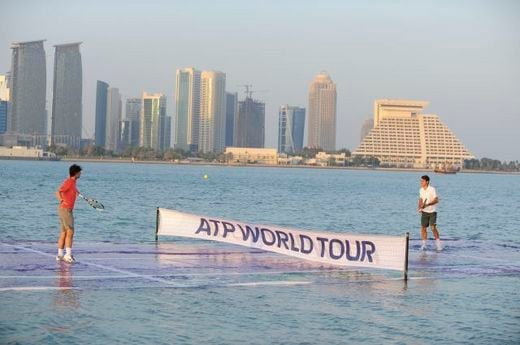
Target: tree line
[170, 154]
[489, 164]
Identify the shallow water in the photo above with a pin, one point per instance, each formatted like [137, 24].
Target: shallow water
[466, 294]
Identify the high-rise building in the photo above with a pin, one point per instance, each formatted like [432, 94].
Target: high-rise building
[133, 114]
[67, 96]
[28, 85]
[405, 137]
[4, 87]
[113, 118]
[166, 138]
[366, 128]
[212, 124]
[322, 113]
[124, 135]
[250, 124]
[3, 116]
[231, 114]
[187, 96]
[101, 113]
[291, 126]
[153, 112]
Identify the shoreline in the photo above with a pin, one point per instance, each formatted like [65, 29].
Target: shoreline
[129, 161]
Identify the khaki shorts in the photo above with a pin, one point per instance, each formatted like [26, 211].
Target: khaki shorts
[66, 219]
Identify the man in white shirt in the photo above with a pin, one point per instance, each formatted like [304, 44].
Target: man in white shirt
[427, 207]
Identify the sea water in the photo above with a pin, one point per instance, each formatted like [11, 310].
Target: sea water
[465, 294]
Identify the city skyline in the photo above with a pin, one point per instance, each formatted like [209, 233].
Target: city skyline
[451, 67]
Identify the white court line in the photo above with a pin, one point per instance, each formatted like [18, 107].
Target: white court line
[176, 275]
[73, 276]
[35, 288]
[272, 283]
[108, 268]
[127, 274]
[484, 258]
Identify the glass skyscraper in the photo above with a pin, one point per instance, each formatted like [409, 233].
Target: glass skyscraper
[153, 120]
[291, 129]
[231, 113]
[28, 85]
[101, 113]
[212, 124]
[3, 116]
[133, 114]
[188, 109]
[66, 123]
[113, 118]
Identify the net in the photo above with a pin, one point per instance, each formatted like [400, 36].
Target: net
[341, 249]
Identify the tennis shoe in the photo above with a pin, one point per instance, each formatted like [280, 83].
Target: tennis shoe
[423, 247]
[69, 258]
[59, 257]
[438, 245]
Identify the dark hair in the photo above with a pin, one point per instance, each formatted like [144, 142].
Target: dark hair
[426, 178]
[74, 169]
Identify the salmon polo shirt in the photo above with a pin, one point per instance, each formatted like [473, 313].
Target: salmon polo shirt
[68, 193]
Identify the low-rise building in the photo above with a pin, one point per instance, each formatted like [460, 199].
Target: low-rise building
[284, 159]
[331, 159]
[22, 152]
[251, 155]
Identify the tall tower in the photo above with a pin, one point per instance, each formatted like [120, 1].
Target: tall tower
[291, 126]
[212, 125]
[113, 118]
[187, 113]
[101, 113]
[250, 124]
[322, 113]
[153, 113]
[231, 114]
[67, 95]
[28, 89]
[133, 115]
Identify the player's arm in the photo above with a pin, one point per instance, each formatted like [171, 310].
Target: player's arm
[63, 188]
[58, 196]
[420, 205]
[434, 201]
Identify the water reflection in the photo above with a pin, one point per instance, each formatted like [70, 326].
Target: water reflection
[66, 297]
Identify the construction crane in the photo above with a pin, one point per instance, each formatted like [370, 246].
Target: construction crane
[249, 92]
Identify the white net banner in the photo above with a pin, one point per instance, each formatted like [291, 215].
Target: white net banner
[341, 249]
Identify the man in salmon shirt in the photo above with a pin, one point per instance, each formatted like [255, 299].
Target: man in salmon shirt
[66, 195]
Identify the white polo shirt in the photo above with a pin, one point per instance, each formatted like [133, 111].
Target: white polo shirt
[428, 194]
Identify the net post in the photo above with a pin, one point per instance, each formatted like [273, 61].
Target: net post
[157, 225]
[406, 257]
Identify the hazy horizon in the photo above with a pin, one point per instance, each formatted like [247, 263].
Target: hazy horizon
[461, 56]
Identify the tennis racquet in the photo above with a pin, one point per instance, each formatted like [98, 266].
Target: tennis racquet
[92, 202]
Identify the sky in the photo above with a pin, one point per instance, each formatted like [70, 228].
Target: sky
[461, 56]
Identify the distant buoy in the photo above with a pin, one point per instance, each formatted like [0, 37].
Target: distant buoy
[205, 176]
